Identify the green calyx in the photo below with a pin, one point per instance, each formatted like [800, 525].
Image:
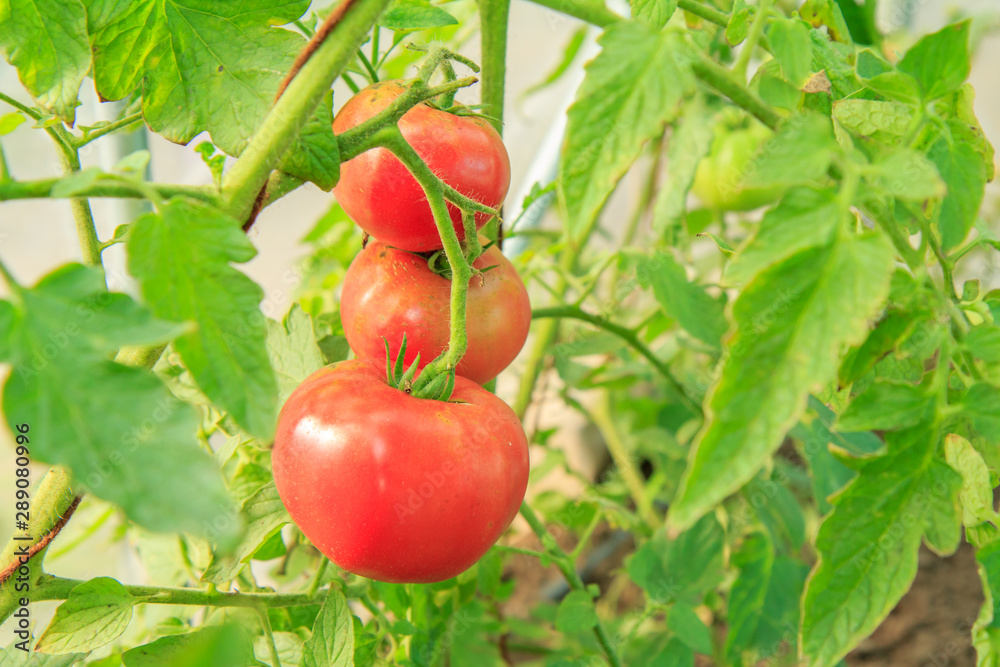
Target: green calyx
[438, 388]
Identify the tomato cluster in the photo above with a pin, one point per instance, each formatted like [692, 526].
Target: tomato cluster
[388, 485]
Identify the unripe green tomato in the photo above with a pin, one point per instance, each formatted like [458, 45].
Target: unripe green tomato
[720, 182]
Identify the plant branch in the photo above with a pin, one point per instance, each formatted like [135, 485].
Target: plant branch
[718, 77]
[62, 138]
[756, 31]
[493, 21]
[42, 189]
[562, 560]
[626, 335]
[97, 133]
[284, 122]
[702, 10]
[592, 12]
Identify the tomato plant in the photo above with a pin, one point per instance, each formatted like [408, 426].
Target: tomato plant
[378, 192]
[758, 417]
[388, 293]
[421, 488]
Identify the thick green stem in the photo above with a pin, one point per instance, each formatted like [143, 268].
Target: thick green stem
[568, 569]
[290, 113]
[51, 500]
[707, 12]
[756, 31]
[593, 12]
[493, 20]
[392, 139]
[42, 189]
[265, 626]
[58, 588]
[626, 335]
[721, 79]
[99, 132]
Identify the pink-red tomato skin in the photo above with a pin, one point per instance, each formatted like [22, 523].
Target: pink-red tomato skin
[381, 195]
[389, 292]
[397, 488]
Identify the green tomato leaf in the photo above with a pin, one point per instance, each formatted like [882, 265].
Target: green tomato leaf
[977, 487]
[826, 13]
[896, 325]
[576, 614]
[264, 515]
[907, 174]
[885, 405]
[415, 15]
[986, 631]
[690, 142]
[803, 219]
[96, 612]
[632, 88]
[739, 22]
[144, 459]
[778, 509]
[837, 60]
[868, 544]
[982, 404]
[800, 152]
[684, 622]
[792, 48]
[332, 640]
[289, 647]
[681, 569]
[983, 342]
[211, 647]
[754, 560]
[293, 350]
[654, 13]
[882, 120]
[790, 323]
[940, 62]
[694, 309]
[47, 43]
[962, 169]
[189, 58]
[181, 258]
[11, 121]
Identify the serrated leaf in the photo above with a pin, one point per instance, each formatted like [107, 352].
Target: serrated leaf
[264, 515]
[47, 43]
[963, 171]
[576, 614]
[293, 350]
[95, 613]
[977, 487]
[983, 342]
[940, 61]
[415, 15]
[655, 13]
[630, 91]
[803, 219]
[182, 258]
[800, 152]
[739, 22]
[896, 325]
[826, 13]
[879, 119]
[754, 560]
[837, 60]
[982, 404]
[907, 174]
[289, 647]
[332, 640]
[213, 646]
[688, 303]
[208, 66]
[683, 568]
[690, 142]
[868, 544]
[886, 405]
[789, 325]
[144, 459]
[685, 624]
[792, 47]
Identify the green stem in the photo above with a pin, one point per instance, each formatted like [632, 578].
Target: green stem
[946, 266]
[707, 12]
[93, 135]
[86, 230]
[4, 168]
[291, 111]
[58, 588]
[756, 30]
[42, 189]
[629, 337]
[493, 20]
[317, 578]
[392, 139]
[585, 536]
[62, 138]
[601, 416]
[568, 569]
[265, 625]
[719, 78]
[590, 11]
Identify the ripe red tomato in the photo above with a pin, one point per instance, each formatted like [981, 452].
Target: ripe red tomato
[381, 195]
[397, 488]
[389, 292]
